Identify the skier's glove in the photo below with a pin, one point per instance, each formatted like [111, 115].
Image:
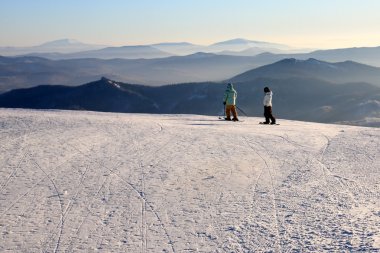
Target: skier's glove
[224, 102]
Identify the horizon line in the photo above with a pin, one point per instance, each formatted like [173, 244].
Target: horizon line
[193, 43]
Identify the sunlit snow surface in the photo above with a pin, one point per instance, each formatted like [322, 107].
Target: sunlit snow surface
[98, 182]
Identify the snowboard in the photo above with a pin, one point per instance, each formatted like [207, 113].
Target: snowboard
[262, 123]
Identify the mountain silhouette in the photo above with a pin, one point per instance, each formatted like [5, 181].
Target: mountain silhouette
[22, 72]
[294, 98]
[124, 52]
[342, 72]
[72, 49]
[61, 46]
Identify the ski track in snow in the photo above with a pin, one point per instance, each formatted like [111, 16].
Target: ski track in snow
[106, 182]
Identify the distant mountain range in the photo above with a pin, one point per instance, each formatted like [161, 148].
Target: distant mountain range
[341, 72]
[71, 49]
[158, 64]
[294, 98]
[23, 72]
[125, 52]
[321, 86]
[364, 55]
[264, 52]
[238, 45]
[58, 46]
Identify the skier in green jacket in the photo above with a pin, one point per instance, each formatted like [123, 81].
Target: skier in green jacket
[229, 101]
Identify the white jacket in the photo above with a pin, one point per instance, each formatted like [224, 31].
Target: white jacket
[268, 99]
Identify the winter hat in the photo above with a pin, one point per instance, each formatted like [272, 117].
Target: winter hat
[229, 86]
[266, 89]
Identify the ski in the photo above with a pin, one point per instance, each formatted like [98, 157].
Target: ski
[222, 118]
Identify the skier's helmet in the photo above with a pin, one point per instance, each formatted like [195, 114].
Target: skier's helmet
[266, 89]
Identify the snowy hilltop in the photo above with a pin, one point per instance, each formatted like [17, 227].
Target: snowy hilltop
[104, 182]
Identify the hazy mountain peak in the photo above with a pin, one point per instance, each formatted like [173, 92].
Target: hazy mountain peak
[241, 44]
[241, 41]
[235, 41]
[52, 49]
[62, 42]
[104, 79]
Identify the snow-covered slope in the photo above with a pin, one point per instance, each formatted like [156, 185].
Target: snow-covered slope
[99, 182]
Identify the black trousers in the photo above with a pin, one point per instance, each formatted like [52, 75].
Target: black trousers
[268, 114]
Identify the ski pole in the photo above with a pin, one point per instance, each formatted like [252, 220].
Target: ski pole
[242, 111]
[224, 112]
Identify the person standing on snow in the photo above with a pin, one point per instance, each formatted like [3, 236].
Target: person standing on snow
[268, 107]
[229, 102]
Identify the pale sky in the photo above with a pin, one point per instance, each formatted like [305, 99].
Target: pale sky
[299, 23]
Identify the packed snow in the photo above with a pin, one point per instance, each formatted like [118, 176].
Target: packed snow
[75, 181]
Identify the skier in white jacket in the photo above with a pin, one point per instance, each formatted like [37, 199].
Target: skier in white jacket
[268, 107]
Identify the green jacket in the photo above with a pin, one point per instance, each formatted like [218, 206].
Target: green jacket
[230, 95]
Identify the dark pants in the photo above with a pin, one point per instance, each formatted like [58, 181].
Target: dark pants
[268, 114]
